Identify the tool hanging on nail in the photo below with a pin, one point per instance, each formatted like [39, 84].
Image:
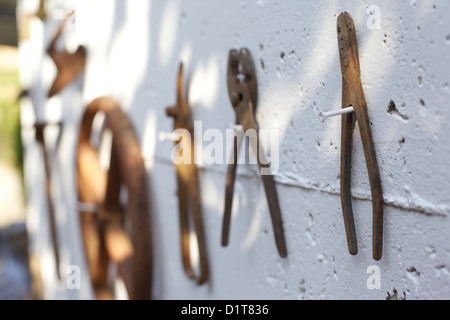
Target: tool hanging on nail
[106, 232]
[243, 93]
[39, 128]
[353, 95]
[40, 138]
[188, 187]
[69, 65]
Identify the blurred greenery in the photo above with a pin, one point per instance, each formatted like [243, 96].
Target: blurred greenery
[10, 136]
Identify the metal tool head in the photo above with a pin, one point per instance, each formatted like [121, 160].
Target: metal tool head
[241, 72]
[189, 200]
[180, 112]
[348, 46]
[69, 65]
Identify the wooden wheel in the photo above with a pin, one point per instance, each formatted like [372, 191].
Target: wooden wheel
[107, 240]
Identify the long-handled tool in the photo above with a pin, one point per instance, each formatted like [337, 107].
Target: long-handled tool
[353, 95]
[243, 92]
[188, 188]
[40, 138]
[39, 128]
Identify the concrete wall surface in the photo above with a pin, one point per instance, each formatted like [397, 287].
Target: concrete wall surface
[134, 50]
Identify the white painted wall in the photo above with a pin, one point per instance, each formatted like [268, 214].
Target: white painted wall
[134, 51]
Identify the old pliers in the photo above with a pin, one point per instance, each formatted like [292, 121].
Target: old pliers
[353, 95]
[243, 92]
[188, 187]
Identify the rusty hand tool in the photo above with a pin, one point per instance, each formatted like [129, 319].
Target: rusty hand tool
[40, 138]
[39, 128]
[106, 231]
[353, 95]
[243, 92]
[69, 65]
[188, 188]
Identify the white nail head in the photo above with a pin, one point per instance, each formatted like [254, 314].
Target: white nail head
[324, 115]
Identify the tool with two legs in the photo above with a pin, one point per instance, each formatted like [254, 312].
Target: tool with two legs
[243, 93]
